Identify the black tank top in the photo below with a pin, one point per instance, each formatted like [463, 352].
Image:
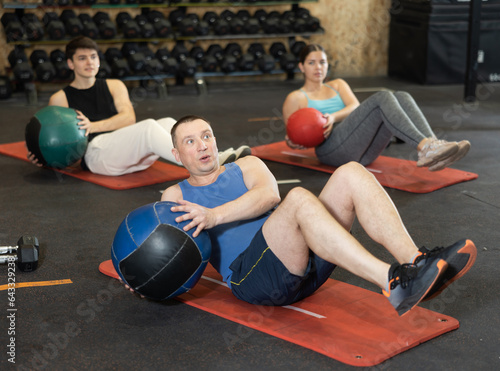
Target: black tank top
[96, 102]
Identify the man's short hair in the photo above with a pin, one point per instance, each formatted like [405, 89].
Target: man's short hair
[183, 120]
[80, 42]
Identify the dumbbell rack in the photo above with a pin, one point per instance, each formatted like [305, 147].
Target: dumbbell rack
[199, 76]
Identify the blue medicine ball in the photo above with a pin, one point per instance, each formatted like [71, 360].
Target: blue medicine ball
[54, 137]
[154, 256]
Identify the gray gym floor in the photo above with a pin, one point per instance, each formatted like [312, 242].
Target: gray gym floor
[94, 323]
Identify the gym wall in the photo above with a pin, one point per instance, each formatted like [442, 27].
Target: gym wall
[356, 33]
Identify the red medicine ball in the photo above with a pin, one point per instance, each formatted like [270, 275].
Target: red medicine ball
[305, 127]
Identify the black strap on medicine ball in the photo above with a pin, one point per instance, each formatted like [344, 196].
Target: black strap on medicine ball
[31, 135]
[162, 263]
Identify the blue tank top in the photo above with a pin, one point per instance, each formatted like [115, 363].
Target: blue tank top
[324, 106]
[231, 239]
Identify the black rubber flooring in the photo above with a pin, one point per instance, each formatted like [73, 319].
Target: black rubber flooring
[95, 324]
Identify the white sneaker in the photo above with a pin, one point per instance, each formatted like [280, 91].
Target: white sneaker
[463, 148]
[435, 150]
[243, 151]
[227, 156]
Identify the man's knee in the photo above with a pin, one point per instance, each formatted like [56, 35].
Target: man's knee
[148, 123]
[352, 172]
[297, 196]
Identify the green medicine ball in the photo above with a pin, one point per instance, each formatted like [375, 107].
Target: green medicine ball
[54, 137]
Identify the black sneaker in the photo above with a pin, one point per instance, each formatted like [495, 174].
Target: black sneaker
[409, 283]
[460, 258]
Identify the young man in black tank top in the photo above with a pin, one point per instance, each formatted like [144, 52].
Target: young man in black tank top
[117, 144]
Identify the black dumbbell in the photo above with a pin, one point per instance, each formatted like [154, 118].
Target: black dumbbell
[288, 61]
[136, 60]
[44, 69]
[209, 63]
[260, 15]
[210, 17]
[227, 15]
[243, 14]
[302, 13]
[72, 23]
[180, 52]
[226, 61]
[119, 66]
[25, 254]
[54, 26]
[147, 29]
[107, 29]
[307, 21]
[5, 87]
[14, 29]
[162, 26]
[187, 68]
[216, 51]
[228, 64]
[170, 64]
[302, 16]
[190, 25]
[197, 53]
[22, 70]
[265, 62]
[104, 70]
[270, 25]
[58, 59]
[277, 49]
[127, 25]
[152, 65]
[233, 49]
[246, 62]
[89, 27]
[221, 27]
[313, 24]
[187, 64]
[251, 26]
[297, 47]
[32, 26]
[257, 50]
[176, 16]
[236, 25]
[162, 54]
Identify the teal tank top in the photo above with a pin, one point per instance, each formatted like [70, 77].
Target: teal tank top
[324, 106]
[231, 239]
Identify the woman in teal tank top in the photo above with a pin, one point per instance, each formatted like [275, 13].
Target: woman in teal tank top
[361, 131]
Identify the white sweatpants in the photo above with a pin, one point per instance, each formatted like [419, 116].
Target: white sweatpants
[132, 148]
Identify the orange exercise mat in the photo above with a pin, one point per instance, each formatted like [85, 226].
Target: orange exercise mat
[390, 172]
[159, 172]
[345, 322]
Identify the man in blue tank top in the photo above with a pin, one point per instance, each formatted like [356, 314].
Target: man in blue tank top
[117, 144]
[272, 254]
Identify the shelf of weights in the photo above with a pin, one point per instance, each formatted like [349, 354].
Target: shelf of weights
[186, 33]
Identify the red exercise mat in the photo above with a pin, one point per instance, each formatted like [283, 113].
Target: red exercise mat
[345, 322]
[390, 172]
[159, 172]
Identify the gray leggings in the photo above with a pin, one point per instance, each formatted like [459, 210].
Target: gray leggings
[366, 132]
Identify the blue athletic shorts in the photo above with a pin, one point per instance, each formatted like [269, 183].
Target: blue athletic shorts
[259, 277]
